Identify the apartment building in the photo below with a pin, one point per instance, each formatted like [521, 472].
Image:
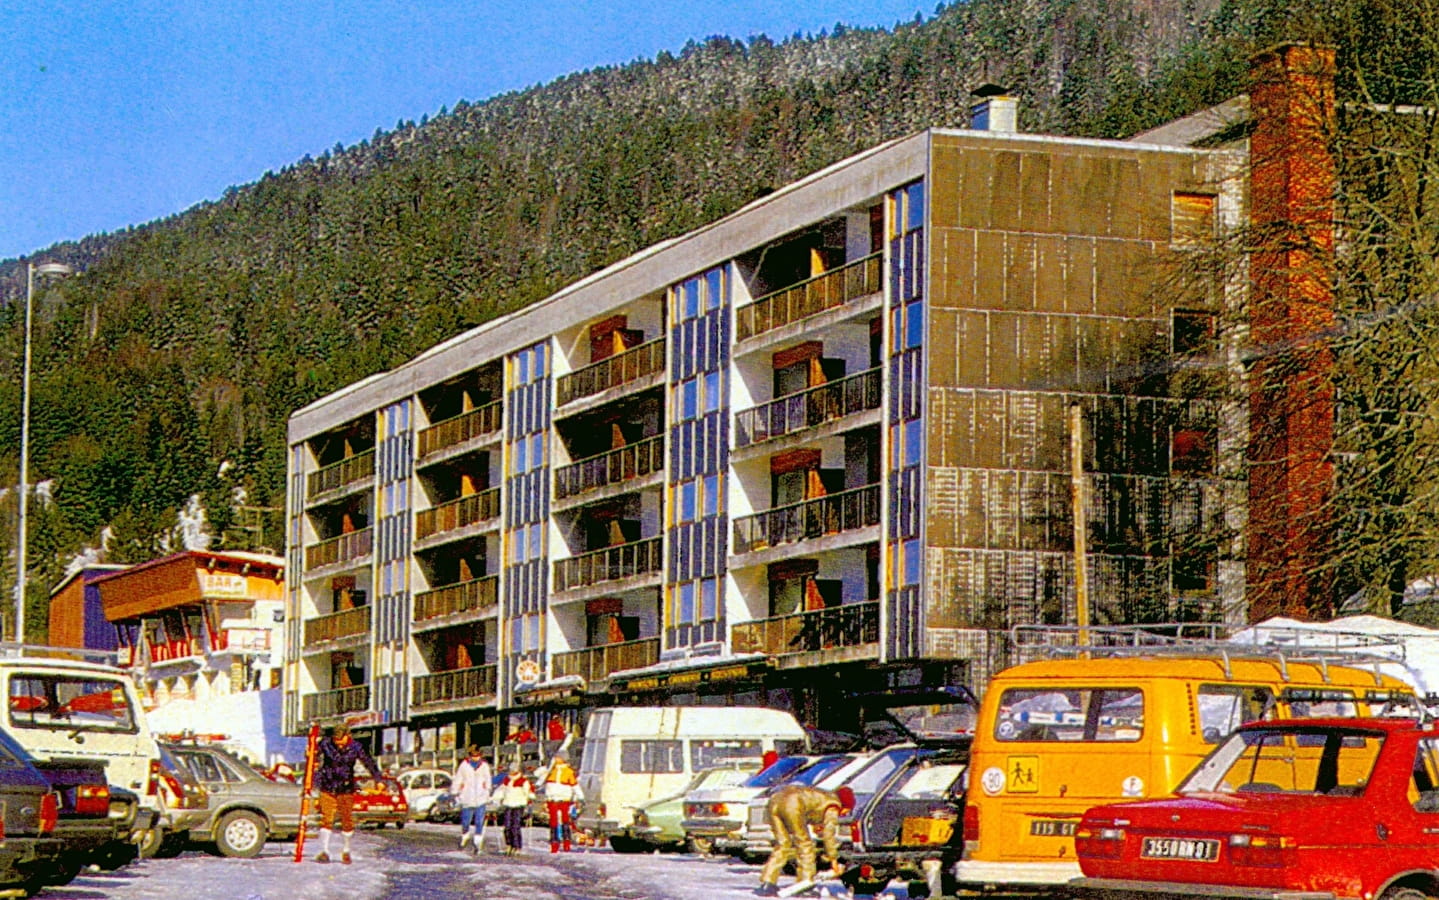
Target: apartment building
[817, 447]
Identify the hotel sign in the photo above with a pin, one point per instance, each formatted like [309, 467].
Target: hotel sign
[223, 584]
[688, 678]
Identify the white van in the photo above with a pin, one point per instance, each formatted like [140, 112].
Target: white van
[66, 709]
[634, 754]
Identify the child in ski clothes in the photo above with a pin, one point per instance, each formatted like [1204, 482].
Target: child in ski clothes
[335, 776]
[792, 810]
[515, 795]
[471, 787]
[562, 791]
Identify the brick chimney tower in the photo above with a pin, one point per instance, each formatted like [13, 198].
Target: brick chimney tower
[1291, 402]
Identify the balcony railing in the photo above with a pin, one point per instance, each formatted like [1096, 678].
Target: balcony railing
[611, 467]
[465, 596]
[459, 684]
[851, 625]
[350, 546]
[240, 639]
[635, 363]
[831, 514]
[808, 408]
[346, 471]
[609, 564]
[815, 295]
[469, 510]
[597, 663]
[334, 626]
[461, 428]
[327, 704]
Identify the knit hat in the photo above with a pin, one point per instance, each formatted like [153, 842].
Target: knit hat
[514, 768]
[560, 756]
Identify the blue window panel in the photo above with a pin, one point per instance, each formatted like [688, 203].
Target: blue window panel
[914, 202]
[913, 325]
[522, 449]
[912, 561]
[687, 502]
[687, 602]
[913, 442]
[691, 298]
[711, 492]
[713, 391]
[713, 288]
[709, 606]
[689, 399]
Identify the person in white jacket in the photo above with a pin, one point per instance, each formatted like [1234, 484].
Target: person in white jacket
[471, 786]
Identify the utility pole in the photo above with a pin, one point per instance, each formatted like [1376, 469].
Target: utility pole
[1081, 526]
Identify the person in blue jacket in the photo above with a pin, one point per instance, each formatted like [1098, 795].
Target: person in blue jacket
[335, 776]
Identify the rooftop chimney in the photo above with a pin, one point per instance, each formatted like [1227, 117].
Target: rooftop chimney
[995, 110]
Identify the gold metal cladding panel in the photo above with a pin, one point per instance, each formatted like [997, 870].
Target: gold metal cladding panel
[1035, 192]
[973, 333]
[1127, 274]
[943, 347]
[989, 270]
[1004, 192]
[944, 190]
[1050, 263]
[975, 188]
[1019, 265]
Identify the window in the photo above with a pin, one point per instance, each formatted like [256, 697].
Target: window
[1191, 219]
[711, 495]
[1070, 715]
[652, 757]
[708, 604]
[1191, 333]
[704, 754]
[69, 703]
[712, 392]
[687, 505]
[714, 288]
[1191, 450]
[1224, 707]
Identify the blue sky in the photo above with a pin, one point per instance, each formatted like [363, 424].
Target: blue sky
[117, 113]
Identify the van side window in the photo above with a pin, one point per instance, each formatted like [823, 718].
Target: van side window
[1224, 707]
[69, 702]
[652, 757]
[706, 754]
[1424, 785]
[1045, 714]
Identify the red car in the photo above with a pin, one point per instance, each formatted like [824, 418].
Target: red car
[1301, 808]
[380, 801]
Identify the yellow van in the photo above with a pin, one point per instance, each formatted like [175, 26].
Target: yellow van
[1057, 736]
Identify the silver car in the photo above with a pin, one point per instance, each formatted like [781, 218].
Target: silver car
[246, 808]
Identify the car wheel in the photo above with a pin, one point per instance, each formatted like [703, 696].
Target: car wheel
[621, 844]
[702, 845]
[240, 833]
[400, 824]
[149, 844]
[1404, 893]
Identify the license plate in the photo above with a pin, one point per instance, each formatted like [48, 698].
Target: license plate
[1180, 848]
[1051, 828]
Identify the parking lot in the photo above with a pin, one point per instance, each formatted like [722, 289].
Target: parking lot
[422, 862]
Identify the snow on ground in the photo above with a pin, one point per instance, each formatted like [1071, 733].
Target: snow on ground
[196, 875]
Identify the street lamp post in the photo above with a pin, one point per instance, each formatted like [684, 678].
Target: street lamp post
[31, 271]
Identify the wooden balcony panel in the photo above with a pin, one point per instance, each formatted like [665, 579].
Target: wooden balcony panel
[345, 548]
[611, 467]
[810, 297]
[598, 663]
[622, 368]
[457, 684]
[609, 564]
[809, 408]
[454, 514]
[457, 430]
[850, 625]
[334, 626]
[336, 475]
[832, 514]
[328, 704]
[465, 596]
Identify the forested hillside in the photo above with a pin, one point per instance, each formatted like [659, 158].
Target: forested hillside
[170, 367]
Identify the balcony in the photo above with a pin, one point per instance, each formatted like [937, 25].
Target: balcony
[609, 564]
[598, 663]
[832, 514]
[474, 683]
[350, 470]
[622, 368]
[334, 626]
[611, 467]
[461, 429]
[241, 640]
[807, 298]
[464, 597]
[455, 514]
[329, 704]
[822, 403]
[345, 548]
[851, 625]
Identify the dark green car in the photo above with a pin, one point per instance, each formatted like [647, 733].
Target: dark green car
[656, 824]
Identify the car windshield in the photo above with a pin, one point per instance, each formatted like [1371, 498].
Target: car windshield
[777, 771]
[812, 773]
[1311, 760]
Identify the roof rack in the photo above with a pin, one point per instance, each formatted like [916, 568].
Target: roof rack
[1277, 644]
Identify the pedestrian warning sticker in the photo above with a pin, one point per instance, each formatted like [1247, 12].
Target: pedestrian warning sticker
[1022, 774]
